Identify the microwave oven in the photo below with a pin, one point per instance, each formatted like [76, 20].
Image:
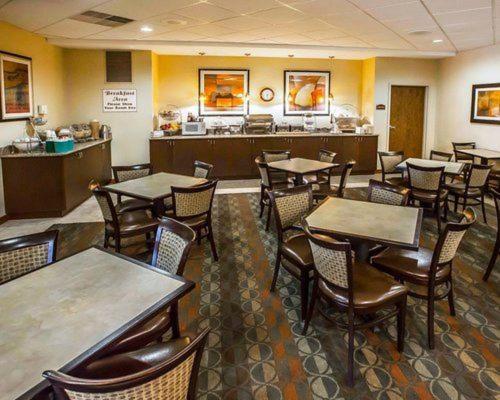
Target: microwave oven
[194, 128]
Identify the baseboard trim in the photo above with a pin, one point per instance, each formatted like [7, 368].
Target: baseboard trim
[3, 219]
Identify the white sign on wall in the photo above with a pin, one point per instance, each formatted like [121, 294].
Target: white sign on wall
[119, 100]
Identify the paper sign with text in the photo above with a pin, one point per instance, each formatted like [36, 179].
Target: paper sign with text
[119, 100]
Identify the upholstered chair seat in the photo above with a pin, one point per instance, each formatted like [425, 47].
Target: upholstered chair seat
[134, 222]
[397, 181]
[425, 196]
[460, 187]
[127, 173]
[277, 155]
[297, 249]
[326, 189]
[321, 176]
[129, 205]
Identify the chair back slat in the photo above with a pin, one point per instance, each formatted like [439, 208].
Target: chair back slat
[477, 176]
[384, 193]
[344, 177]
[423, 178]
[172, 244]
[265, 177]
[202, 169]
[171, 379]
[275, 155]
[193, 201]
[463, 146]
[389, 160]
[440, 156]
[326, 156]
[25, 254]
[105, 204]
[129, 172]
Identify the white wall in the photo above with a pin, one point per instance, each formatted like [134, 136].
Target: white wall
[410, 72]
[456, 77]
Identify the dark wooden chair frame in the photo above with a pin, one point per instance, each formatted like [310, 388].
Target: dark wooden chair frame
[431, 283]
[388, 154]
[135, 167]
[435, 204]
[208, 220]
[35, 239]
[348, 166]
[304, 276]
[323, 176]
[496, 248]
[460, 156]
[117, 234]
[62, 382]
[466, 196]
[351, 326]
[287, 152]
[203, 165]
[443, 154]
[404, 192]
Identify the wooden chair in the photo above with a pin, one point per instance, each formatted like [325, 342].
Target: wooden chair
[321, 176]
[355, 288]
[202, 169]
[172, 244]
[425, 185]
[322, 190]
[164, 371]
[388, 162]
[472, 191]
[124, 225]
[459, 157]
[385, 193]
[428, 268]
[267, 183]
[126, 173]
[294, 254]
[440, 156]
[193, 207]
[277, 155]
[24, 254]
[496, 248]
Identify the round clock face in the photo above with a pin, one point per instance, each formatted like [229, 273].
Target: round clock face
[267, 94]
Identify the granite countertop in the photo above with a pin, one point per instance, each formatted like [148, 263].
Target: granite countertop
[271, 135]
[5, 152]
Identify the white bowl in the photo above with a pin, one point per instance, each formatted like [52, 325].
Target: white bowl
[23, 145]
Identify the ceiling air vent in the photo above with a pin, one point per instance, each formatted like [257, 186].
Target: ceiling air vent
[98, 18]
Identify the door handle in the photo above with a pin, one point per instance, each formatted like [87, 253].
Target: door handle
[392, 127]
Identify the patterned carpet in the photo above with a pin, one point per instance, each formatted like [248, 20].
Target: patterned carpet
[256, 351]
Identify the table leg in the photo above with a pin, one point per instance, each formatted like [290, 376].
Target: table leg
[158, 208]
[299, 179]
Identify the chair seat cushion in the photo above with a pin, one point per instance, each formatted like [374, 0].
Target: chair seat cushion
[458, 188]
[132, 205]
[135, 222]
[422, 195]
[397, 181]
[297, 250]
[193, 223]
[132, 362]
[144, 334]
[371, 288]
[324, 190]
[412, 266]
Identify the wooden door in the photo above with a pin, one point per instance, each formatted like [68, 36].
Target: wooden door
[407, 120]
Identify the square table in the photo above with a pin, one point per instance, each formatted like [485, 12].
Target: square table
[300, 167]
[365, 223]
[154, 188]
[484, 155]
[66, 313]
[451, 168]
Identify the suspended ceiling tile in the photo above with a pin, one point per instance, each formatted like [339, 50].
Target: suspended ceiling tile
[141, 9]
[178, 35]
[206, 12]
[397, 12]
[291, 39]
[462, 17]
[445, 6]
[36, 14]
[173, 21]
[245, 6]
[70, 28]
[242, 23]
[325, 34]
[369, 4]
[306, 24]
[210, 30]
[279, 15]
[317, 8]
[345, 42]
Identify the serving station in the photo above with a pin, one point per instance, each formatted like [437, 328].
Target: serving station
[233, 155]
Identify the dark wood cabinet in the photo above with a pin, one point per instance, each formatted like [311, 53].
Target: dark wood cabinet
[41, 186]
[233, 157]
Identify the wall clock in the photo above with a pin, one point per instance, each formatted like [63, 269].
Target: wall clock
[267, 94]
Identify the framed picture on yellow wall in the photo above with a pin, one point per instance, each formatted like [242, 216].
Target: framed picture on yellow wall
[16, 87]
[485, 106]
[223, 92]
[307, 92]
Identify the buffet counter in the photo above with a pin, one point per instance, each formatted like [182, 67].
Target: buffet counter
[42, 185]
[233, 155]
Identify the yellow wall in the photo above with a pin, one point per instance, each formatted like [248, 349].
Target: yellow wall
[48, 80]
[85, 79]
[368, 89]
[178, 80]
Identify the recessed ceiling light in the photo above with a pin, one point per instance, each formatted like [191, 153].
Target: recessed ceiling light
[419, 33]
[146, 28]
[437, 41]
[174, 22]
[201, 53]
[248, 54]
[290, 55]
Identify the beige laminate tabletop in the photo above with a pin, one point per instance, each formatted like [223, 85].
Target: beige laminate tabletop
[481, 153]
[449, 167]
[50, 318]
[153, 187]
[300, 165]
[381, 223]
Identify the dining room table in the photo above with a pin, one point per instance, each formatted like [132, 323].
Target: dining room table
[484, 155]
[450, 167]
[71, 311]
[366, 224]
[300, 167]
[154, 188]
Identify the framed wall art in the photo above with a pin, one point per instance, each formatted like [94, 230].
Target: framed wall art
[16, 87]
[223, 92]
[307, 92]
[485, 107]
